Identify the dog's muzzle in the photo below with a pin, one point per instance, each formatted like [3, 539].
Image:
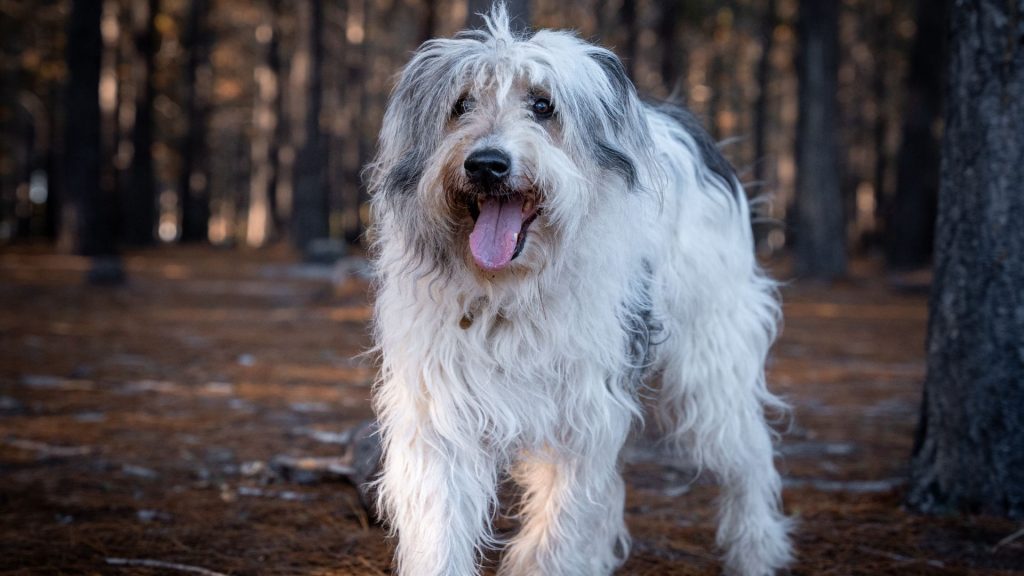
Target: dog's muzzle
[501, 214]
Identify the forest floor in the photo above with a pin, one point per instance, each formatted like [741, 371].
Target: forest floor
[168, 422]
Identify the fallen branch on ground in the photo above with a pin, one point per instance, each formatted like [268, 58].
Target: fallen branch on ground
[1008, 540]
[146, 563]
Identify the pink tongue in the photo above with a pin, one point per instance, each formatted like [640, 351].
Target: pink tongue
[494, 237]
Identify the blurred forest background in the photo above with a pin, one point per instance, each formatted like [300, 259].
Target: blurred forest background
[246, 123]
[172, 417]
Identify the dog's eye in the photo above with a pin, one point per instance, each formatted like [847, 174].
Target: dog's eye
[461, 107]
[543, 108]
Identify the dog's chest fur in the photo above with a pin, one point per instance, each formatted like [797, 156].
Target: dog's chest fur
[523, 391]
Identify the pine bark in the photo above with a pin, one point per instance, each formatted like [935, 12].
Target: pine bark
[821, 234]
[969, 453]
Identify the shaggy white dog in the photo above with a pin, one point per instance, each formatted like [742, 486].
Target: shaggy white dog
[544, 243]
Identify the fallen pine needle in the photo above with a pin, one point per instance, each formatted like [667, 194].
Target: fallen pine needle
[900, 557]
[146, 563]
[366, 563]
[1009, 539]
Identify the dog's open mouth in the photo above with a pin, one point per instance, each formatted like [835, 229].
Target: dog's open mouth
[500, 226]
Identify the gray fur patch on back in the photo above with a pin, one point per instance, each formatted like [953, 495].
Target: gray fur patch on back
[709, 153]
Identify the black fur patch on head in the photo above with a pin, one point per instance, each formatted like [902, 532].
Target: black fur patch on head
[426, 86]
[621, 85]
[405, 175]
[615, 160]
[706, 147]
[428, 83]
[615, 125]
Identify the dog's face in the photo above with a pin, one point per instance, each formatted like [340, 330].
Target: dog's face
[490, 177]
[496, 148]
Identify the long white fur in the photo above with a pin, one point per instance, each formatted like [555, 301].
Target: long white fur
[541, 384]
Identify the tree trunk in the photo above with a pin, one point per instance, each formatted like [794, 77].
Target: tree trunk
[821, 235]
[9, 80]
[260, 225]
[54, 197]
[193, 185]
[762, 226]
[112, 98]
[310, 210]
[82, 143]
[429, 20]
[281, 125]
[363, 137]
[603, 23]
[673, 58]
[969, 453]
[764, 64]
[718, 76]
[139, 200]
[880, 93]
[911, 219]
[518, 13]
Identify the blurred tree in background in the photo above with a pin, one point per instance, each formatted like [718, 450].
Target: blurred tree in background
[310, 209]
[910, 243]
[247, 123]
[193, 174]
[821, 237]
[92, 216]
[138, 214]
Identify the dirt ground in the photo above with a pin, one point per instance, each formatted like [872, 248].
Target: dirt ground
[172, 426]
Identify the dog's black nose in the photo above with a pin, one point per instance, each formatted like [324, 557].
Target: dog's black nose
[487, 165]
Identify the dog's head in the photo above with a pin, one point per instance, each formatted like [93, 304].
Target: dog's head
[496, 147]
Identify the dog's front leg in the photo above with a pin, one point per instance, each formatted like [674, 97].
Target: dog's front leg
[572, 510]
[438, 496]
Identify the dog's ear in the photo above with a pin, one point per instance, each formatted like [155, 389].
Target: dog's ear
[622, 114]
[415, 117]
[623, 99]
